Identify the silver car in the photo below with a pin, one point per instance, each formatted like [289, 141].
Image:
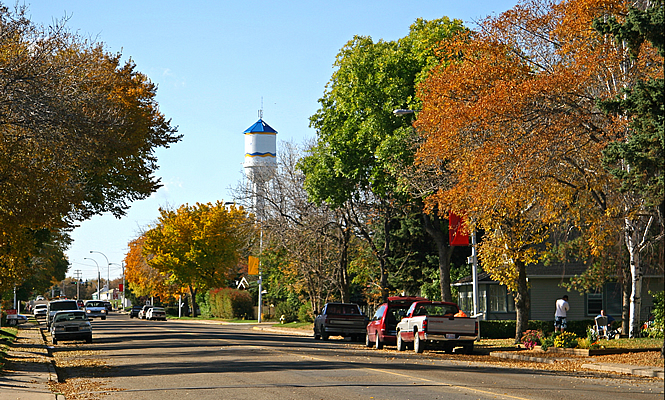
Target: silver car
[95, 309]
[71, 325]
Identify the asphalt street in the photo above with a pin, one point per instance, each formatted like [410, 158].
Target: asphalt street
[177, 360]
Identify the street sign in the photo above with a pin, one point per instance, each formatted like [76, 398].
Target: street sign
[120, 286]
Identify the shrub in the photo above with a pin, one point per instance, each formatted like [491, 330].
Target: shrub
[531, 338]
[305, 313]
[654, 328]
[231, 303]
[286, 309]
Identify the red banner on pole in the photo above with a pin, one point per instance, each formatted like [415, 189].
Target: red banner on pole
[457, 231]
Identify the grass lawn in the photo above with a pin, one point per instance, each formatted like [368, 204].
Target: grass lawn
[296, 325]
[7, 335]
[636, 343]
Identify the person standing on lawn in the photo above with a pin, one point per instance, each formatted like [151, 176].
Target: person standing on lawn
[562, 308]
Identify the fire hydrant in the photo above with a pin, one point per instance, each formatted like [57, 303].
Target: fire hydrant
[281, 319]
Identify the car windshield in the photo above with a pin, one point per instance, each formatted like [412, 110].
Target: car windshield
[40, 306]
[61, 317]
[94, 304]
[65, 305]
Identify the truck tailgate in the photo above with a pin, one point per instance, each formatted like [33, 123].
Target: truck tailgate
[458, 325]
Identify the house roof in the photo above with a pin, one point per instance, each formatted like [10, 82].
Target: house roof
[260, 127]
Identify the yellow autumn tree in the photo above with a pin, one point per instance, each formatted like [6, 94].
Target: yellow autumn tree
[514, 116]
[200, 246]
[144, 280]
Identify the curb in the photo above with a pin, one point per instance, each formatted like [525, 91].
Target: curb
[292, 332]
[651, 372]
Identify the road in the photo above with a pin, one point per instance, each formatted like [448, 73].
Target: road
[177, 360]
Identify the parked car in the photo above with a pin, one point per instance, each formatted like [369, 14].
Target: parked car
[436, 323]
[16, 319]
[156, 313]
[108, 305]
[40, 310]
[134, 312]
[95, 309]
[71, 325]
[59, 305]
[382, 328]
[144, 311]
[343, 319]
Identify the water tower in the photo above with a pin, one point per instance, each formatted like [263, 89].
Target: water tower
[260, 160]
[260, 166]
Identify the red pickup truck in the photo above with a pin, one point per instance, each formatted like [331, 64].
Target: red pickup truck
[436, 323]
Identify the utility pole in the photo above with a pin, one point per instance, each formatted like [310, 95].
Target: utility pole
[77, 274]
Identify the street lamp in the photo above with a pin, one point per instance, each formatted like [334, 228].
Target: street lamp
[402, 111]
[98, 277]
[108, 271]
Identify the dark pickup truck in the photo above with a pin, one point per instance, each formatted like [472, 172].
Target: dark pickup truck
[340, 319]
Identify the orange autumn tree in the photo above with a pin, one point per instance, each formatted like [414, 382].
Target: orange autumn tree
[144, 280]
[514, 116]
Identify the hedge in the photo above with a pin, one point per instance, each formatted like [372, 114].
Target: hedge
[231, 303]
[505, 329]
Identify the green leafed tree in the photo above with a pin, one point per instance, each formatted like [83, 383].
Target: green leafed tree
[359, 139]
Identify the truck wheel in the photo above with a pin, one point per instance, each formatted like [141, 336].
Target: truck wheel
[88, 339]
[418, 345]
[367, 342]
[401, 345]
[377, 342]
[103, 318]
[54, 340]
[324, 336]
[468, 349]
[316, 335]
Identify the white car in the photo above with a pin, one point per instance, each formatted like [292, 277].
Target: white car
[95, 309]
[40, 311]
[156, 313]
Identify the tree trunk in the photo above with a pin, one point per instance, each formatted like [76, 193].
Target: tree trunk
[192, 295]
[522, 301]
[432, 226]
[343, 264]
[625, 305]
[632, 244]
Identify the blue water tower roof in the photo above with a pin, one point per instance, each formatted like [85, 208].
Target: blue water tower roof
[260, 126]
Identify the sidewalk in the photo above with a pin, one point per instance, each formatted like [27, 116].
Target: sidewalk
[29, 368]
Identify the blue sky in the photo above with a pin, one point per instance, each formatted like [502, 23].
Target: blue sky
[214, 62]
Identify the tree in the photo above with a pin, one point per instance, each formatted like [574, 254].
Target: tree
[358, 135]
[514, 116]
[637, 158]
[79, 130]
[199, 246]
[144, 280]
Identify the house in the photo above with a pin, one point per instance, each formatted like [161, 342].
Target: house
[497, 302]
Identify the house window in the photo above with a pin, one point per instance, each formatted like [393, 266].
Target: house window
[497, 298]
[466, 299]
[594, 303]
